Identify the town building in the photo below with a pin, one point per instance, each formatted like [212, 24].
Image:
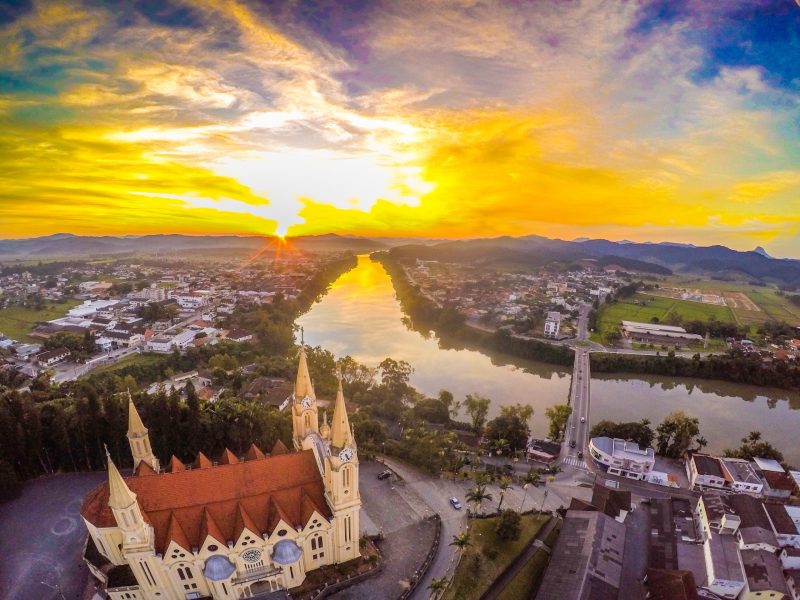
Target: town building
[623, 458]
[653, 333]
[241, 527]
[765, 579]
[552, 324]
[704, 471]
[742, 476]
[586, 562]
[49, 358]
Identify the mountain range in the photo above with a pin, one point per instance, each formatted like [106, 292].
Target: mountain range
[528, 251]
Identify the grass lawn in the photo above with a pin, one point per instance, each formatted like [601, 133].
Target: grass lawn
[141, 359]
[17, 322]
[527, 581]
[476, 570]
[643, 307]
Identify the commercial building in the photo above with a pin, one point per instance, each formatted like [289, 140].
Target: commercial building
[622, 458]
[652, 333]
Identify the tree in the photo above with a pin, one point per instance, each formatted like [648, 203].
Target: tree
[461, 540]
[637, 431]
[431, 410]
[754, 447]
[477, 408]
[676, 434]
[477, 496]
[395, 375]
[508, 526]
[505, 483]
[510, 428]
[523, 411]
[531, 478]
[437, 586]
[558, 416]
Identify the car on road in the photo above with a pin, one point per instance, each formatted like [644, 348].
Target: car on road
[454, 502]
[580, 455]
[572, 444]
[583, 419]
[384, 474]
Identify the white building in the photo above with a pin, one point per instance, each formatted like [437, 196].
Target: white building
[742, 476]
[552, 324]
[90, 308]
[705, 471]
[622, 458]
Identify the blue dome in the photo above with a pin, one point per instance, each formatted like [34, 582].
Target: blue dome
[218, 568]
[286, 552]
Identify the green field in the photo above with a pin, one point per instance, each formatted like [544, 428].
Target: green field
[476, 571]
[17, 322]
[774, 306]
[132, 359]
[529, 578]
[643, 307]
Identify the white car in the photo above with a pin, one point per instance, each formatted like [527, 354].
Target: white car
[583, 419]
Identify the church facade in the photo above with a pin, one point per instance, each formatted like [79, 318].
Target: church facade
[240, 527]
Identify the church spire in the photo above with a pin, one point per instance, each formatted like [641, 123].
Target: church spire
[302, 386]
[135, 426]
[139, 439]
[341, 435]
[120, 496]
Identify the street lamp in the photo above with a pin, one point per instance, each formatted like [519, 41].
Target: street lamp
[544, 497]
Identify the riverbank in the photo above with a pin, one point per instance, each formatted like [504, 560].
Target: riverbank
[449, 326]
[720, 367]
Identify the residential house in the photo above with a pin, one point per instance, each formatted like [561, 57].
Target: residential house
[742, 476]
[786, 530]
[49, 358]
[239, 335]
[669, 584]
[704, 471]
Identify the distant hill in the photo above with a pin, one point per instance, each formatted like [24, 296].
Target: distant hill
[524, 252]
[659, 258]
[73, 246]
[716, 260]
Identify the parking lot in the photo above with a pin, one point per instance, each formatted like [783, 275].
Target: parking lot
[42, 539]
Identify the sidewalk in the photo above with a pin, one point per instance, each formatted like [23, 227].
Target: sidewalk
[519, 563]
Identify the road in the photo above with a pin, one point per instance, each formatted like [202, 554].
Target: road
[578, 424]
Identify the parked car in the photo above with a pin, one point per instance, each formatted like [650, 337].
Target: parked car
[454, 502]
[384, 474]
[580, 455]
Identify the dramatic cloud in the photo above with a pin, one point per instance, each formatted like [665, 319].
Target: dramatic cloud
[452, 118]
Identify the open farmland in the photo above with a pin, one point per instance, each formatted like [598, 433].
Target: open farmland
[644, 307]
[17, 322]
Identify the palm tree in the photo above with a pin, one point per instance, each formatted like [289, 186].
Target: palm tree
[461, 540]
[531, 478]
[500, 445]
[437, 586]
[477, 496]
[701, 443]
[505, 483]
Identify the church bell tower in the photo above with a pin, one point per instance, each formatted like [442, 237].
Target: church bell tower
[305, 419]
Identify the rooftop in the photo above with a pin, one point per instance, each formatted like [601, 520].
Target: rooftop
[725, 558]
[664, 584]
[708, 465]
[781, 520]
[763, 571]
[768, 464]
[187, 503]
[622, 449]
[741, 471]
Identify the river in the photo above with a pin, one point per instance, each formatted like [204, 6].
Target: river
[361, 316]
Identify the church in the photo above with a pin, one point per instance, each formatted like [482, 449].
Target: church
[238, 527]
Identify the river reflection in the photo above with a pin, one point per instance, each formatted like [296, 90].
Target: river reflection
[361, 316]
[727, 411]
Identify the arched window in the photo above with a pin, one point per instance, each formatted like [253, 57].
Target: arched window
[346, 477]
[308, 420]
[181, 574]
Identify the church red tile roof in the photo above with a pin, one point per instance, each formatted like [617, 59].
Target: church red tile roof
[187, 505]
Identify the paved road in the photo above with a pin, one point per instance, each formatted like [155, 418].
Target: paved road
[42, 539]
[578, 424]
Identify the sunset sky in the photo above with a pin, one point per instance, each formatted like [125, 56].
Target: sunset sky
[673, 120]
